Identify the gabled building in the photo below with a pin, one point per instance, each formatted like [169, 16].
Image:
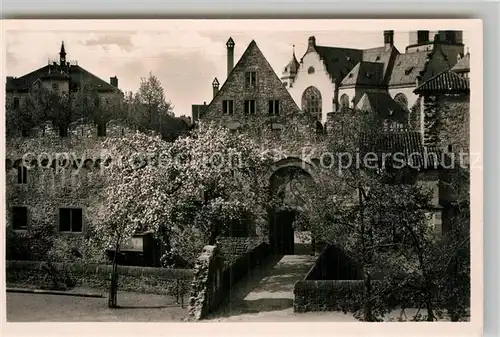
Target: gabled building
[252, 90]
[328, 79]
[60, 75]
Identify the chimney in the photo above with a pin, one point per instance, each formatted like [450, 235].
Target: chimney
[215, 86]
[230, 55]
[113, 81]
[437, 39]
[388, 39]
[311, 44]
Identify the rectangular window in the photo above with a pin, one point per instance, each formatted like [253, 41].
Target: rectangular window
[227, 107]
[101, 130]
[22, 174]
[20, 218]
[55, 86]
[70, 220]
[63, 131]
[274, 107]
[16, 102]
[250, 107]
[250, 79]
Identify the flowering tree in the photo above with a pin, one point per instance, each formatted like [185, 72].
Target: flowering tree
[199, 184]
[362, 205]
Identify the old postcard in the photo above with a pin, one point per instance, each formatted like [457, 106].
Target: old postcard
[324, 171]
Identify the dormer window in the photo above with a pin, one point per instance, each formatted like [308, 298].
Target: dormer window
[310, 70]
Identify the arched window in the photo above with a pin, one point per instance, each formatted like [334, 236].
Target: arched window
[344, 102]
[401, 100]
[311, 100]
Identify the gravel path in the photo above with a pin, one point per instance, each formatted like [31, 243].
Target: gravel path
[56, 308]
[269, 288]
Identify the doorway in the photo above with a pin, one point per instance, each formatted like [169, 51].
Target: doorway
[282, 234]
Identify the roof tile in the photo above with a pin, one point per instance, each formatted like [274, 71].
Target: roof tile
[446, 81]
[408, 146]
[407, 67]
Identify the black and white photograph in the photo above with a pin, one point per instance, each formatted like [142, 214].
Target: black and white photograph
[241, 171]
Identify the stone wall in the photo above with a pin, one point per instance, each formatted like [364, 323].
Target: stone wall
[206, 286]
[50, 184]
[214, 277]
[161, 281]
[454, 122]
[327, 295]
[233, 247]
[446, 122]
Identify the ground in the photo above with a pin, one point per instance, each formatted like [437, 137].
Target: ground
[56, 308]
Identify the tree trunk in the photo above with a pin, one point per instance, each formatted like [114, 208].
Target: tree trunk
[367, 294]
[453, 301]
[113, 289]
[367, 287]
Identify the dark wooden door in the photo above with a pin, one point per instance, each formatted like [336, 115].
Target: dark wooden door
[282, 234]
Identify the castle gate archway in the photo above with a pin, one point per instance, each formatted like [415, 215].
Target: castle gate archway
[289, 183]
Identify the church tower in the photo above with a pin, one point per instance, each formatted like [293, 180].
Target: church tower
[62, 55]
[450, 42]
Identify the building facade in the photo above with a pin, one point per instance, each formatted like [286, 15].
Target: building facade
[329, 79]
[60, 77]
[252, 90]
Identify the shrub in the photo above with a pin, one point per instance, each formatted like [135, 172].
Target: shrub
[32, 245]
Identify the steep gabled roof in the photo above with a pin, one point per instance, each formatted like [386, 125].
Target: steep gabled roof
[447, 81]
[382, 104]
[254, 51]
[407, 68]
[339, 61]
[383, 55]
[76, 74]
[365, 73]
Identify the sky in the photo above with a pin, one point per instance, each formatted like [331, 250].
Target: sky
[184, 60]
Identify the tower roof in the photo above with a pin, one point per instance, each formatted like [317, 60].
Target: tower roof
[293, 66]
[230, 43]
[445, 82]
[63, 51]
